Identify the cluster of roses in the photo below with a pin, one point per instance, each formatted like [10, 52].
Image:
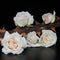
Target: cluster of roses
[15, 43]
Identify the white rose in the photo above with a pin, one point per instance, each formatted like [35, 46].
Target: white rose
[32, 39]
[23, 19]
[48, 38]
[13, 43]
[49, 18]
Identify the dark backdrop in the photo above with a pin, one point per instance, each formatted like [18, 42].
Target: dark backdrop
[9, 9]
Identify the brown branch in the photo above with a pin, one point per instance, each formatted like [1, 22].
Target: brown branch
[37, 28]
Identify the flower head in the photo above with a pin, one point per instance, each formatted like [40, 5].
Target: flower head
[23, 19]
[13, 43]
[49, 18]
[48, 38]
[32, 39]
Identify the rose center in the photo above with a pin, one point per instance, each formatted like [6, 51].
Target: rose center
[12, 44]
[46, 18]
[46, 39]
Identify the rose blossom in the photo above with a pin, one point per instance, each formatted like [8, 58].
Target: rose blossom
[23, 19]
[48, 38]
[32, 39]
[49, 17]
[13, 43]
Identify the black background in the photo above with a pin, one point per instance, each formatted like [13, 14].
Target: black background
[8, 10]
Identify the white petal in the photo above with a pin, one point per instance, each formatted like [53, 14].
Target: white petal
[24, 42]
[20, 51]
[5, 51]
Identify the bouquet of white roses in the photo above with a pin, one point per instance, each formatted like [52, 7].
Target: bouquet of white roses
[15, 43]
